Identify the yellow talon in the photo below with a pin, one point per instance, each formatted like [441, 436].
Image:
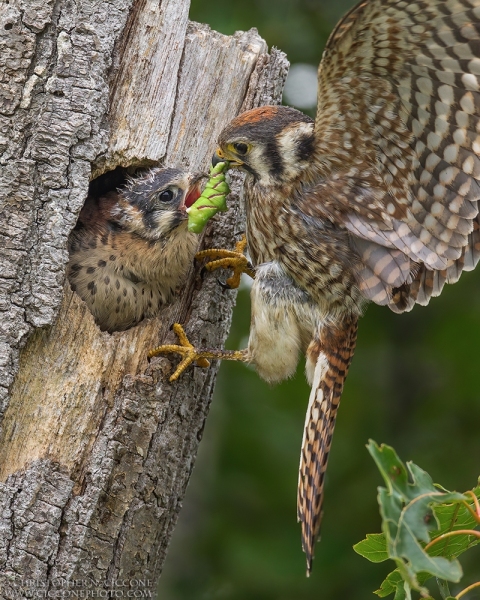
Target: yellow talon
[190, 354]
[228, 259]
[185, 349]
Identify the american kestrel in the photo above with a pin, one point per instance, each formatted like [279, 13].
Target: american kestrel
[375, 200]
[131, 248]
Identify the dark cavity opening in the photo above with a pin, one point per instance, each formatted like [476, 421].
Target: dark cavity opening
[112, 180]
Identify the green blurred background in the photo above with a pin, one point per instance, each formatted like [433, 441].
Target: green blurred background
[413, 384]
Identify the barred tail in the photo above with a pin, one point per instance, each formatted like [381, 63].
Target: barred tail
[334, 350]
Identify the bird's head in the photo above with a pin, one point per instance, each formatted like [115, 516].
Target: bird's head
[154, 204]
[272, 143]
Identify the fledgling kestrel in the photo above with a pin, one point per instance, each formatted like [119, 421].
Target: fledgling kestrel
[131, 248]
[377, 200]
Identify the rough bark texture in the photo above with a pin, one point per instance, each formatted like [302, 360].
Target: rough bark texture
[96, 446]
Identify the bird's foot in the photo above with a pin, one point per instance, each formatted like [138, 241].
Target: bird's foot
[229, 259]
[190, 354]
[184, 348]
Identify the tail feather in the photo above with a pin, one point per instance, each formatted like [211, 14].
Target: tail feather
[334, 352]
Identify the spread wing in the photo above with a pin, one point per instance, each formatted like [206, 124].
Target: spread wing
[398, 143]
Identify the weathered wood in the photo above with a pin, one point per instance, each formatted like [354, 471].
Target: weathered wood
[144, 90]
[97, 447]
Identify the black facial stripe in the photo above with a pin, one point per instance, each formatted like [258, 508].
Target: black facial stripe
[275, 160]
[149, 219]
[250, 170]
[305, 147]
[155, 218]
[177, 219]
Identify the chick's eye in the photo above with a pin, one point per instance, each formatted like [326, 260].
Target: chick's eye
[165, 196]
[240, 148]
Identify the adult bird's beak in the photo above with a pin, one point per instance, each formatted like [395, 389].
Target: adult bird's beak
[219, 156]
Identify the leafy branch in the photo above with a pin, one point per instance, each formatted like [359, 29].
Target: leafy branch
[425, 528]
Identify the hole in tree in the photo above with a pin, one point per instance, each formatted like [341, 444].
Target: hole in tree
[8, 25]
[112, 180]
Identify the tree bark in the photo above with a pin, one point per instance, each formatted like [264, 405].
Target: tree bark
[96, 447]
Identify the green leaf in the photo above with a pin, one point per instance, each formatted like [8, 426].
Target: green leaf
[395, 579]
[408, 518]
[403, 592]
[443, 588]
[452, 517]
[389, 584]
[373, 548]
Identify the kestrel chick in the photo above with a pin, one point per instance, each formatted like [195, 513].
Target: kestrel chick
[131, 248]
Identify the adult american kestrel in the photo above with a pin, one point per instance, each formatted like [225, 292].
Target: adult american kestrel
[375, 200]
[131, 248]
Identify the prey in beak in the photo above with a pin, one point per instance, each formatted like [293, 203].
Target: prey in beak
[211, 200]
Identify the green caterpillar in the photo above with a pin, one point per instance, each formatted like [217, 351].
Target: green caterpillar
[211, 200]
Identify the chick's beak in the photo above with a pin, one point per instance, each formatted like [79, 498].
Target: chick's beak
[194, 192]
[192, 196]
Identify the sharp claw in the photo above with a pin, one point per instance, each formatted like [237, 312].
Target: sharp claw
[173, 377]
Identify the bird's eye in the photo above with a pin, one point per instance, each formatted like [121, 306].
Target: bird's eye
[240, 148]
[165, 196]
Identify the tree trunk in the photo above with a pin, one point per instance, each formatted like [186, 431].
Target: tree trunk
[96, 447]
